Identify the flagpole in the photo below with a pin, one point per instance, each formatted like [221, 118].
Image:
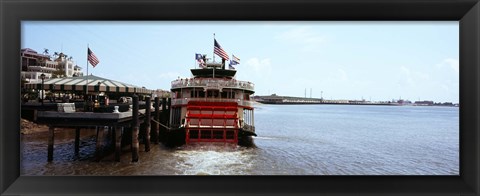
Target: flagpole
[86, 90]
[213, 56]
[85, 107]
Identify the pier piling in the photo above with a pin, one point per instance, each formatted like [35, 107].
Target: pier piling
[51, 138]
[118, 142]
[155, 127]
[163, 120]
[77, 140]
[135, 128]
[147, 123]
[169, 107]
[99, 143]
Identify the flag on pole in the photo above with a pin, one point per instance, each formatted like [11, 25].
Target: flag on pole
[199, 59]
[235, 61]
[92, 58]
[218, 50]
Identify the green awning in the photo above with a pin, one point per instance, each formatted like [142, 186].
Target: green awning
[80, 84]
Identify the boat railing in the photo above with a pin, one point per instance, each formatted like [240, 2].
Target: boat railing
[213, 82]
[184, 101]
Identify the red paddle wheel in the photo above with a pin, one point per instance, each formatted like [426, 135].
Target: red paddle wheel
[211, 122]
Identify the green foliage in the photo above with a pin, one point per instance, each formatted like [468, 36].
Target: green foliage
[59, 73]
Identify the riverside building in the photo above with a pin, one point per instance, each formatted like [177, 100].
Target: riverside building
[35, 64]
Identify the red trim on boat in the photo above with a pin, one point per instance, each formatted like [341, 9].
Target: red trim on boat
[212, 122]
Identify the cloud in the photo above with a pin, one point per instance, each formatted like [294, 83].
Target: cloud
[407, 76]
[450, 63]
[413, 77]
[342, 75]
[260, 66]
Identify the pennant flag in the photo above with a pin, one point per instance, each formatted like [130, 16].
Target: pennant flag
[235, 61]
[199, 59]
[218, 50]
[92, 58]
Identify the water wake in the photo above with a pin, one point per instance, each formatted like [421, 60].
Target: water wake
[214, 159]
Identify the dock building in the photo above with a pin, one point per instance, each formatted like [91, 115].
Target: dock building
[34, 64]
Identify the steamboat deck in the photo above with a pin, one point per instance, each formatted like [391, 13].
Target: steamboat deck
[212, 106]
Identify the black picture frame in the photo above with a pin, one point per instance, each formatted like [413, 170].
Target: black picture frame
[467, 12]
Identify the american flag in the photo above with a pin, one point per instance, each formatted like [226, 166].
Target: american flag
[218, 50]
[92, 58]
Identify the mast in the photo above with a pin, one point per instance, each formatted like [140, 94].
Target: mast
[86, 89]
[213, 55]
[213, 48]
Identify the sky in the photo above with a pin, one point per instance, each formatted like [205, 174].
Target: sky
[377, 61]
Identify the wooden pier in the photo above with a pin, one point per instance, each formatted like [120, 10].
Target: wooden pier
[116, 123]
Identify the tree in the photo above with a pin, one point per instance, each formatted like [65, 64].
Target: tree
[59, 73]
[22, 83]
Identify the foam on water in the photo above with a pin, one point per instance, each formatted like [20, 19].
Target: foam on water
[214, 159]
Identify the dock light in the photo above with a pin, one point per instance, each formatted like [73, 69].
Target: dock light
[98, 95]
[98, 89]
[54, 94]
[42, 76]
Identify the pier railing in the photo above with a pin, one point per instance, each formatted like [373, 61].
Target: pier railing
[213, 83]
[184, 101]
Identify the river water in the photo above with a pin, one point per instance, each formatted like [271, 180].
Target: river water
[292, 140]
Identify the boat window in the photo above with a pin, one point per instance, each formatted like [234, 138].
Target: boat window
[179, 94]
[224, 94]
[197, 93]
[213, 93]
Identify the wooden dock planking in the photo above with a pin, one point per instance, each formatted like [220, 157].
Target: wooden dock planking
[116, 122]
[81, 120]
